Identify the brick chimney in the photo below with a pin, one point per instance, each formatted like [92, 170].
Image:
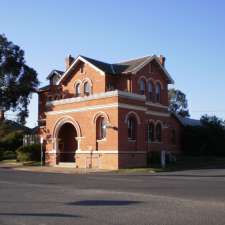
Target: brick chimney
[162, 60]
[68, 61]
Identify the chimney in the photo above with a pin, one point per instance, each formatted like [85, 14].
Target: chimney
[2, 115]
[162, 60]
[68, 61]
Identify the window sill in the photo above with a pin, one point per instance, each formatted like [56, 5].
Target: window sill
[102, 140]
[131, 140]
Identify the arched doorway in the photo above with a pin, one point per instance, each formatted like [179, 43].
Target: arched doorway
[67, 143]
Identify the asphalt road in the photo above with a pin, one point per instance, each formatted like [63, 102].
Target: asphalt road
[176, 198]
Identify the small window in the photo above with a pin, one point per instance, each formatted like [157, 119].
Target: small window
[101, 128]
[159, 132]
[150, 132]
[132, 126]
[87, 88]
[158, 93]
[142, 87]
[173, 137]
[77, 90]
[150, 91]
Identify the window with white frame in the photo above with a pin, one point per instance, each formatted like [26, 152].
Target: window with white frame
[150, 132]
[101, 128]
[142, 86]
[150, 91]
[77, 89]
[158, 131]
[158, 92]
[87, 88]
[132, 128]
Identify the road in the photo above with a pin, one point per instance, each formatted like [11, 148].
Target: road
[175, 198]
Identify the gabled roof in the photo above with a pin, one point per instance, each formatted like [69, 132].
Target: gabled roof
[131, 66]
[55, 72]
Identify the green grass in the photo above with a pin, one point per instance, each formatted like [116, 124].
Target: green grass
[183, 163]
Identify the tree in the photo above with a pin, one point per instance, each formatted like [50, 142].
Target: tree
[178, 102]
[207, 139]
[17, 80]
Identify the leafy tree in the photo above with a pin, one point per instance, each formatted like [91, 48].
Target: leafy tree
[207, 139]
[178, 102]
[17, 79]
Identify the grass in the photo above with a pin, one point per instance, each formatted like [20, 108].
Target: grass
[183, 163]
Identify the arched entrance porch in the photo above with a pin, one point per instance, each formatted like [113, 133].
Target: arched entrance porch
[67, 143]
[67, 134]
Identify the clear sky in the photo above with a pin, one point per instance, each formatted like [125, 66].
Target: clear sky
[191, 34]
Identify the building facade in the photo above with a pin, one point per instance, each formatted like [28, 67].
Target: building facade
[107, 116]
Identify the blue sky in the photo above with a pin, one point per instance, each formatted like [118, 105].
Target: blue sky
[191, 34]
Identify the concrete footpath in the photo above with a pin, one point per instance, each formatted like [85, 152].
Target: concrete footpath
[48, 169]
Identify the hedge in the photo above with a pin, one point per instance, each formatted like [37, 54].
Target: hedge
[29, 153]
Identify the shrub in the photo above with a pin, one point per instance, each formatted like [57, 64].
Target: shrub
[29, 153]
[205, 140]
[11, 141]
[1, 154]
[154, 158]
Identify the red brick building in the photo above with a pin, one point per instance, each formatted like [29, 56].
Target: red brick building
[107, 116]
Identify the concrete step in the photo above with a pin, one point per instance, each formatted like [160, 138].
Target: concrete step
[66, 164]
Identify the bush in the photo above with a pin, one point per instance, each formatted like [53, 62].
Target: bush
[205, 140]
[154, 159]
[11, 141]
[29, 153]
[1, 154]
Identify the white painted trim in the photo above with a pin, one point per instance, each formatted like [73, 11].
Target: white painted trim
[134, 107]
[154, 113]
[156, 105]
[83, 109]
[107, 106]
[102, 95]
[79, 58]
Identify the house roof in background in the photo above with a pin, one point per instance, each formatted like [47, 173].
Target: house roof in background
[186, 121]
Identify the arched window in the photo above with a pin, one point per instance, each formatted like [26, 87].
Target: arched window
[158, 92]
[150, 132]
[100, 128]
[56, 97]
[77, 90]
[150, 91]
[158, 130]
[142, 86]
[132, 126]
[87, 88]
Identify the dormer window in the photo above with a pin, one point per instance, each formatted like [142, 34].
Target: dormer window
[87, 88]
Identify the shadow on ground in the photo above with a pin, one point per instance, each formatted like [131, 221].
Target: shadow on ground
[59, 215]
[103, 203]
